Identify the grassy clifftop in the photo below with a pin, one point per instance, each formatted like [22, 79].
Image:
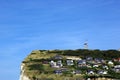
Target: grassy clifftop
[53, 64]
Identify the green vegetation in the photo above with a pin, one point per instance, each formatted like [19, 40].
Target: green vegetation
[37, 64]
[108, 54]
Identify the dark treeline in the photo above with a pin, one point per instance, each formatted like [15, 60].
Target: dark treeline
[105, 54]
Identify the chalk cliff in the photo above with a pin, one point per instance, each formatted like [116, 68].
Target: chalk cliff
[22, 75]
[68, 64]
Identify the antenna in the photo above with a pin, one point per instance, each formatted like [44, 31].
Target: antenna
[86, 44]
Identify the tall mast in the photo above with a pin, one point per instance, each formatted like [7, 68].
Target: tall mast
[86, 45]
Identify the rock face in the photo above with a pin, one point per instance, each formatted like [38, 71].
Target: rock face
[22, 75]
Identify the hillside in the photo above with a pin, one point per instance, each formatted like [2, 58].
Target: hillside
[70, 64]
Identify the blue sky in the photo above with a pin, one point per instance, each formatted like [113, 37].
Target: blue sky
[27, 25]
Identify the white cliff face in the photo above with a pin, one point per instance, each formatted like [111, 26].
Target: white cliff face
[22, 75]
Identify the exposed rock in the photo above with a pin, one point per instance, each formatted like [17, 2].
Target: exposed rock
[22, 75]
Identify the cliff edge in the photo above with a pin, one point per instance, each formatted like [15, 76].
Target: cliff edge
[70, 64]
